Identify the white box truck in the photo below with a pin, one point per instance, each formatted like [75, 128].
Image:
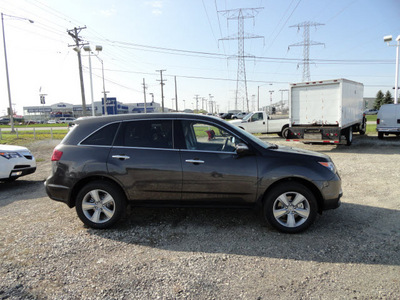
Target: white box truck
[327, 111]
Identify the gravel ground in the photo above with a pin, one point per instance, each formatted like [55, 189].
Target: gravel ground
[350, 252]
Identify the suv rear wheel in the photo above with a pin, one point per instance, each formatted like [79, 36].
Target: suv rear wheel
[100, 204]
[290, 207]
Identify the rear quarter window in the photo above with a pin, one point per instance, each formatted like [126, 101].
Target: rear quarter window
[102, 137]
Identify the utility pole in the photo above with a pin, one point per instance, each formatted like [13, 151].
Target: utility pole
[270, 101]
[176, 96]
[211, 103]
[197, 102]
[306, 47]
[285, 90]
[162, 88]
[144, 94]
[74, 33]
[240, 14]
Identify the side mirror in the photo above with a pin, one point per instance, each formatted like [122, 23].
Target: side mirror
[242, 149]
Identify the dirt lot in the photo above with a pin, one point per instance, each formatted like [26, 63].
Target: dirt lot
[351, 252]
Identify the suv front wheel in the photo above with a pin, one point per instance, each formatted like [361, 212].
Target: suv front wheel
[290, 207]
[100, 204]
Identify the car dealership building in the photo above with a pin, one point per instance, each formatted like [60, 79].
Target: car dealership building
[63, 109]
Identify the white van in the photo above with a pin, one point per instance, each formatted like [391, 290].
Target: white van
[388, 120]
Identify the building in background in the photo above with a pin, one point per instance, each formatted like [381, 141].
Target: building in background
[63, 109]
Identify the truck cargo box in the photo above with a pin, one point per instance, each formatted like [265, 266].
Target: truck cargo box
[327, 109]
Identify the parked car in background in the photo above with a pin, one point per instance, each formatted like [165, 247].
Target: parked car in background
[4, 121]
[15, 161]
[51, 122]
[66, 120]
[240, 115]
[30, 122]
[388, 120]
[226, 116]
[371, 112]
[187, 159]
[261, 122]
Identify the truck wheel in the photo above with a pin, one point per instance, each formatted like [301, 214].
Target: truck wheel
[285, 132]
[363, 126]
[290, 207]
[349, 136]
[380, 135]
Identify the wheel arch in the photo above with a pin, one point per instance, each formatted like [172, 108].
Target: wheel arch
[314, 190]
[80, 184]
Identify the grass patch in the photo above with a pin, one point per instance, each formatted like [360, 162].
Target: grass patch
[371, 128]
[36, 125]
[371, 118]
[26, 137]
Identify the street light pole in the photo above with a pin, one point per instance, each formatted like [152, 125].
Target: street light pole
[388, 39]
[91, 77]
[11, 113]
[396, 87]
[88, 49]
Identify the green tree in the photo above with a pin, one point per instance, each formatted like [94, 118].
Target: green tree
[388, 98]
[379, 100]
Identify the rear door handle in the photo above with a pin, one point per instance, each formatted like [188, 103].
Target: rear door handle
[194, 161]
[121, 157]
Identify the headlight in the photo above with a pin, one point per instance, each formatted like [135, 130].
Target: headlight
[328, 164]
[9, 155]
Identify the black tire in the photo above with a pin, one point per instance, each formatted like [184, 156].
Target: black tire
[380, 135]
[363, 126]
[288, 217]
[106, 210]
[285, 132]
[349, 136]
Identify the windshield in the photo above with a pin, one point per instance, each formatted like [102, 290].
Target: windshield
[247, 117]
[256, 140]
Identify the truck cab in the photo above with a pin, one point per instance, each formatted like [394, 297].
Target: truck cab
[261, 122]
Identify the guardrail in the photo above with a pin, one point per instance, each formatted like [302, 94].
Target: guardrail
[35, 133]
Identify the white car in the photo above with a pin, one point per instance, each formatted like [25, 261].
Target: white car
[15, 161]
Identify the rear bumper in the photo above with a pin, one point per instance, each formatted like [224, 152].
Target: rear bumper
[388, 129]
[59, 193]
[320, 134]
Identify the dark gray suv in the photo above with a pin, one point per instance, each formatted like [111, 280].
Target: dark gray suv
[104, 163]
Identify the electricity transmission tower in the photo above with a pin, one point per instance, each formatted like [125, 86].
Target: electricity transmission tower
[240, 14]
[306, 46]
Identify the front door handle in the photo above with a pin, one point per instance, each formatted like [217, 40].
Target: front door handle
[194, 161]
[121, 157]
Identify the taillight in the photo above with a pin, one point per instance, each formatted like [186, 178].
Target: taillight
[56, 155]
[378, 121]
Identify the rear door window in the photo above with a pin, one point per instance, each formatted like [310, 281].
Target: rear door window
[146, 134]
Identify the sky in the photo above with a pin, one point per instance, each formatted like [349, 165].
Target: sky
[194, 41]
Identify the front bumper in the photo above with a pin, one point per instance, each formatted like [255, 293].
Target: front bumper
[331, 193]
